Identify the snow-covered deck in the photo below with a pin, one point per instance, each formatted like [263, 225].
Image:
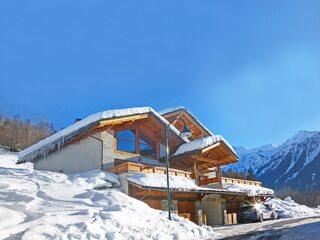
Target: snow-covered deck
[183, 184]
[250, 190]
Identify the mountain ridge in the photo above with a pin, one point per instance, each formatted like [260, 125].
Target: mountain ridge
[294, 164]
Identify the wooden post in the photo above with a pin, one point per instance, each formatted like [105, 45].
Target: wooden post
[195, 168]
[219, 173]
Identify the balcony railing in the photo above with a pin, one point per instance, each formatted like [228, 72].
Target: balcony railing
[208, 180]
[137, 167]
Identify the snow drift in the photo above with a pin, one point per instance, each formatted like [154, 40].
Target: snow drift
[288, 208]
[48, 205]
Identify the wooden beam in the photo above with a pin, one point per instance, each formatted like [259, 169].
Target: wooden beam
[210, 147]
[122, 119]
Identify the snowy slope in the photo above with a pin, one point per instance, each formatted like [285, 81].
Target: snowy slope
[295, 163]
[47, 205]
[288, 208]
[9, 159]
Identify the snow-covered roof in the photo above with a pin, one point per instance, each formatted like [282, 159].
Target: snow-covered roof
[250, 190]
[179, 183]
[201, 144]
[178, 108]
[153, 180]
[43, 147]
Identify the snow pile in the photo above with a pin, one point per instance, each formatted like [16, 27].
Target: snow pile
[201, 143]
[58, 139]
[9, 159]
[160, 181]
[288, 208]
[95, 179]
[47, 205]
[250, 190]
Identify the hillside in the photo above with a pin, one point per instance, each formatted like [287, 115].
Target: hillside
[47, 205]
[294, 164]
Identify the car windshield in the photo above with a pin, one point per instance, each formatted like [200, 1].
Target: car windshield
[246, 208]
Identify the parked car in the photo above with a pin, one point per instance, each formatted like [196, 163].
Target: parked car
[256, 212]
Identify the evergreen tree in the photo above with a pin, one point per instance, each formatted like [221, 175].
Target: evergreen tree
[250, 174]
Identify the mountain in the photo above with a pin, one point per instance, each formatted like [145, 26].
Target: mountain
[294, 164]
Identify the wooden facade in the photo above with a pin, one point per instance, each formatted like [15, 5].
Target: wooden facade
[202, 165]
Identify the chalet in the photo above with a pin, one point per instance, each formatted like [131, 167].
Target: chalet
[130, 143]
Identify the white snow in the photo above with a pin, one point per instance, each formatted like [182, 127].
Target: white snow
[288, 208]
[201, 143]
[59, 137]
[299, 137]
[171, 109]
[9, 160]
[47, 205]
[160, 181]
[250, 190]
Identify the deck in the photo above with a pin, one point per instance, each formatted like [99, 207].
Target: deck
[137, 167]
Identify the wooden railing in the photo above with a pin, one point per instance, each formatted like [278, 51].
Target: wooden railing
[240, 181]
[138, 167]
[206, 181]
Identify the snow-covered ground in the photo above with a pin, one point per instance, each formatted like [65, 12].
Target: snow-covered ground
[288, 208]
[46, 205]
[292, 213]
[289, 229]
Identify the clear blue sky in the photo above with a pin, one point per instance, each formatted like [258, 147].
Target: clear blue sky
[249, 70]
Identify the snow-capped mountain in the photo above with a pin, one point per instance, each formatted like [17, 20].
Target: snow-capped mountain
[295, 163]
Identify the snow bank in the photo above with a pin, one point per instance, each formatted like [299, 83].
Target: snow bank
[160, 181]
[44, 146]
[9, 160]
[95, 179]
[250, 190]
[201, 143]
[288, 208]
[47, 205]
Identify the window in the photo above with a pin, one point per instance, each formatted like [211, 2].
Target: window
[147, 147]
[126, 141]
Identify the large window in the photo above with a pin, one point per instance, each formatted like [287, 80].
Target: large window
[126, 141]
[147, 147]
[136, 142]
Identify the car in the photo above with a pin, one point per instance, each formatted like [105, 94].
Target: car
[256, 212]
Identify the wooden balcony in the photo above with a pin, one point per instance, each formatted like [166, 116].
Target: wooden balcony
[137, 167]
[207, 180]
[240, 181]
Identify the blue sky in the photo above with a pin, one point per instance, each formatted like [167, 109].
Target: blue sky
[249, 70]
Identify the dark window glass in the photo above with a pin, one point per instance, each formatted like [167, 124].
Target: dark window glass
[127, 134]
[126, 141]
[147, 147]
[246, 208]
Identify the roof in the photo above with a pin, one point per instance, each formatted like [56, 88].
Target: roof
[172, 110]
[250, 190]
[202, 143]
[182, 184]
[58, 139]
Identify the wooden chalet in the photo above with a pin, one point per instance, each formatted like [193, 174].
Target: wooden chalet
[130, 143]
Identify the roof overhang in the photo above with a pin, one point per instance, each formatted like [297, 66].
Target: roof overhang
[214, 155]
[95, 121]
[198, 129]
[200, 190]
